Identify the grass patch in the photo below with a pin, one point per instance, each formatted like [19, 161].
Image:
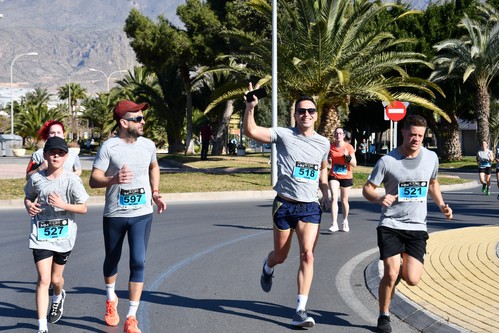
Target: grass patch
[187, 182]
[467, 163]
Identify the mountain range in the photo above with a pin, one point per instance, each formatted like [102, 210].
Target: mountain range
[70, 37]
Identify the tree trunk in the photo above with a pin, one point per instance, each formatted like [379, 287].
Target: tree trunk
[223, 127]
[483, 112]
[189, 150]
[329, 120]
[449, 145]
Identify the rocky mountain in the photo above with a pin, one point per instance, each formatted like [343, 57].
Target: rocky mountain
[70, 37]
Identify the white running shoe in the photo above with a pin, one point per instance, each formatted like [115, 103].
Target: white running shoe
[334, 227]
[345, 226]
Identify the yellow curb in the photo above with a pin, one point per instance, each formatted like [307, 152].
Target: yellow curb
[461, 278]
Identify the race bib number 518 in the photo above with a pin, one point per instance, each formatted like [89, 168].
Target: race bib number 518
[306, 172]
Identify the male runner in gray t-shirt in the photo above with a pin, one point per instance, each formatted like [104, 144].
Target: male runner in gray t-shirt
[126, 166]
[302, 169]
[409, 174]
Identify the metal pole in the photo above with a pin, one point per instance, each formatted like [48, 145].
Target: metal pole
[109, 77]
[70, 109]
[12, 91]
[98, 70]
[273, 154]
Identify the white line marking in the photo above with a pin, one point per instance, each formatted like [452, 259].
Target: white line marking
[345, 289]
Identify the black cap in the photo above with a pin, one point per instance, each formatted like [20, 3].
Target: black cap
[55, 142]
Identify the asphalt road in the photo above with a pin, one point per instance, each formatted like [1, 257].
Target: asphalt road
[203, 270]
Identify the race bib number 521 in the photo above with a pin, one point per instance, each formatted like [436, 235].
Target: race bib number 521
[412, 191]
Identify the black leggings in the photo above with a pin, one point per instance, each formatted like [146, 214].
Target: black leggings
[138, 230]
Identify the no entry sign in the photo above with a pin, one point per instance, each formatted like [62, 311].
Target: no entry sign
[395, 111]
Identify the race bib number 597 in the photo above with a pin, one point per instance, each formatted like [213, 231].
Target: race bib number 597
[132, 198]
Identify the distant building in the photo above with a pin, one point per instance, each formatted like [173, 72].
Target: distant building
[467, 137]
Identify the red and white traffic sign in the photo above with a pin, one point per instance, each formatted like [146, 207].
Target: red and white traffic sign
[396, 110]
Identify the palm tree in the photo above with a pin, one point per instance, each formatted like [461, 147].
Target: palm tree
[163, 90]
[338, 51]
[73, 92]
[98, 112]
[33, 112]
[474, 59]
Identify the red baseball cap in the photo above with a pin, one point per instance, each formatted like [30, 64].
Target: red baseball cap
[125, 106]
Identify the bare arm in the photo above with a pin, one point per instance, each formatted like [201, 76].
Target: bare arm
[98, 179]
[42, 166]
[436, 195]
[32, 207]
[369, 192]
[55, 200]
[154, 176]
[251, 129]
[77, 172]
[323, 184]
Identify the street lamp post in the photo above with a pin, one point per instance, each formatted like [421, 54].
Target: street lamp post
[12, 91]
[108, 77]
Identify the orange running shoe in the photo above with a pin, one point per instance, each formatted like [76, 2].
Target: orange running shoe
[131, 325]
[112, 318]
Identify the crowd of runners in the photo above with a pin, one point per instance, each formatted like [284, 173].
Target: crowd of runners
[310, 169]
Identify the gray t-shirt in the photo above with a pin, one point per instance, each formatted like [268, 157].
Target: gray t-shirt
[72, 162]
[408, 178]
[54, 229]
[299, 160]
[134, 199]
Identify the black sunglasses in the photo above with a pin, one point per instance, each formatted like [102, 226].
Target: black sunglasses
[137, 119]
[310, 111]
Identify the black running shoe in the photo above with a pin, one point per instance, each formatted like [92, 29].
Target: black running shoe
[266, 279]
[301, 319]
[384, 324]
[56, 309]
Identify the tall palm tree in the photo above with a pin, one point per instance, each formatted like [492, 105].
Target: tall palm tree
[474, 59]
[339, 52]
[73, 92]
[163, 90]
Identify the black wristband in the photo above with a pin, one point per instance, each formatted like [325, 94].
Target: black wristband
[348, 158]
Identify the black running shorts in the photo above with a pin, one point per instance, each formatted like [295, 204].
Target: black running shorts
[393, 241]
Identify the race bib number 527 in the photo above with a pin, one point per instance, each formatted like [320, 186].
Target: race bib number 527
[52, 229]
